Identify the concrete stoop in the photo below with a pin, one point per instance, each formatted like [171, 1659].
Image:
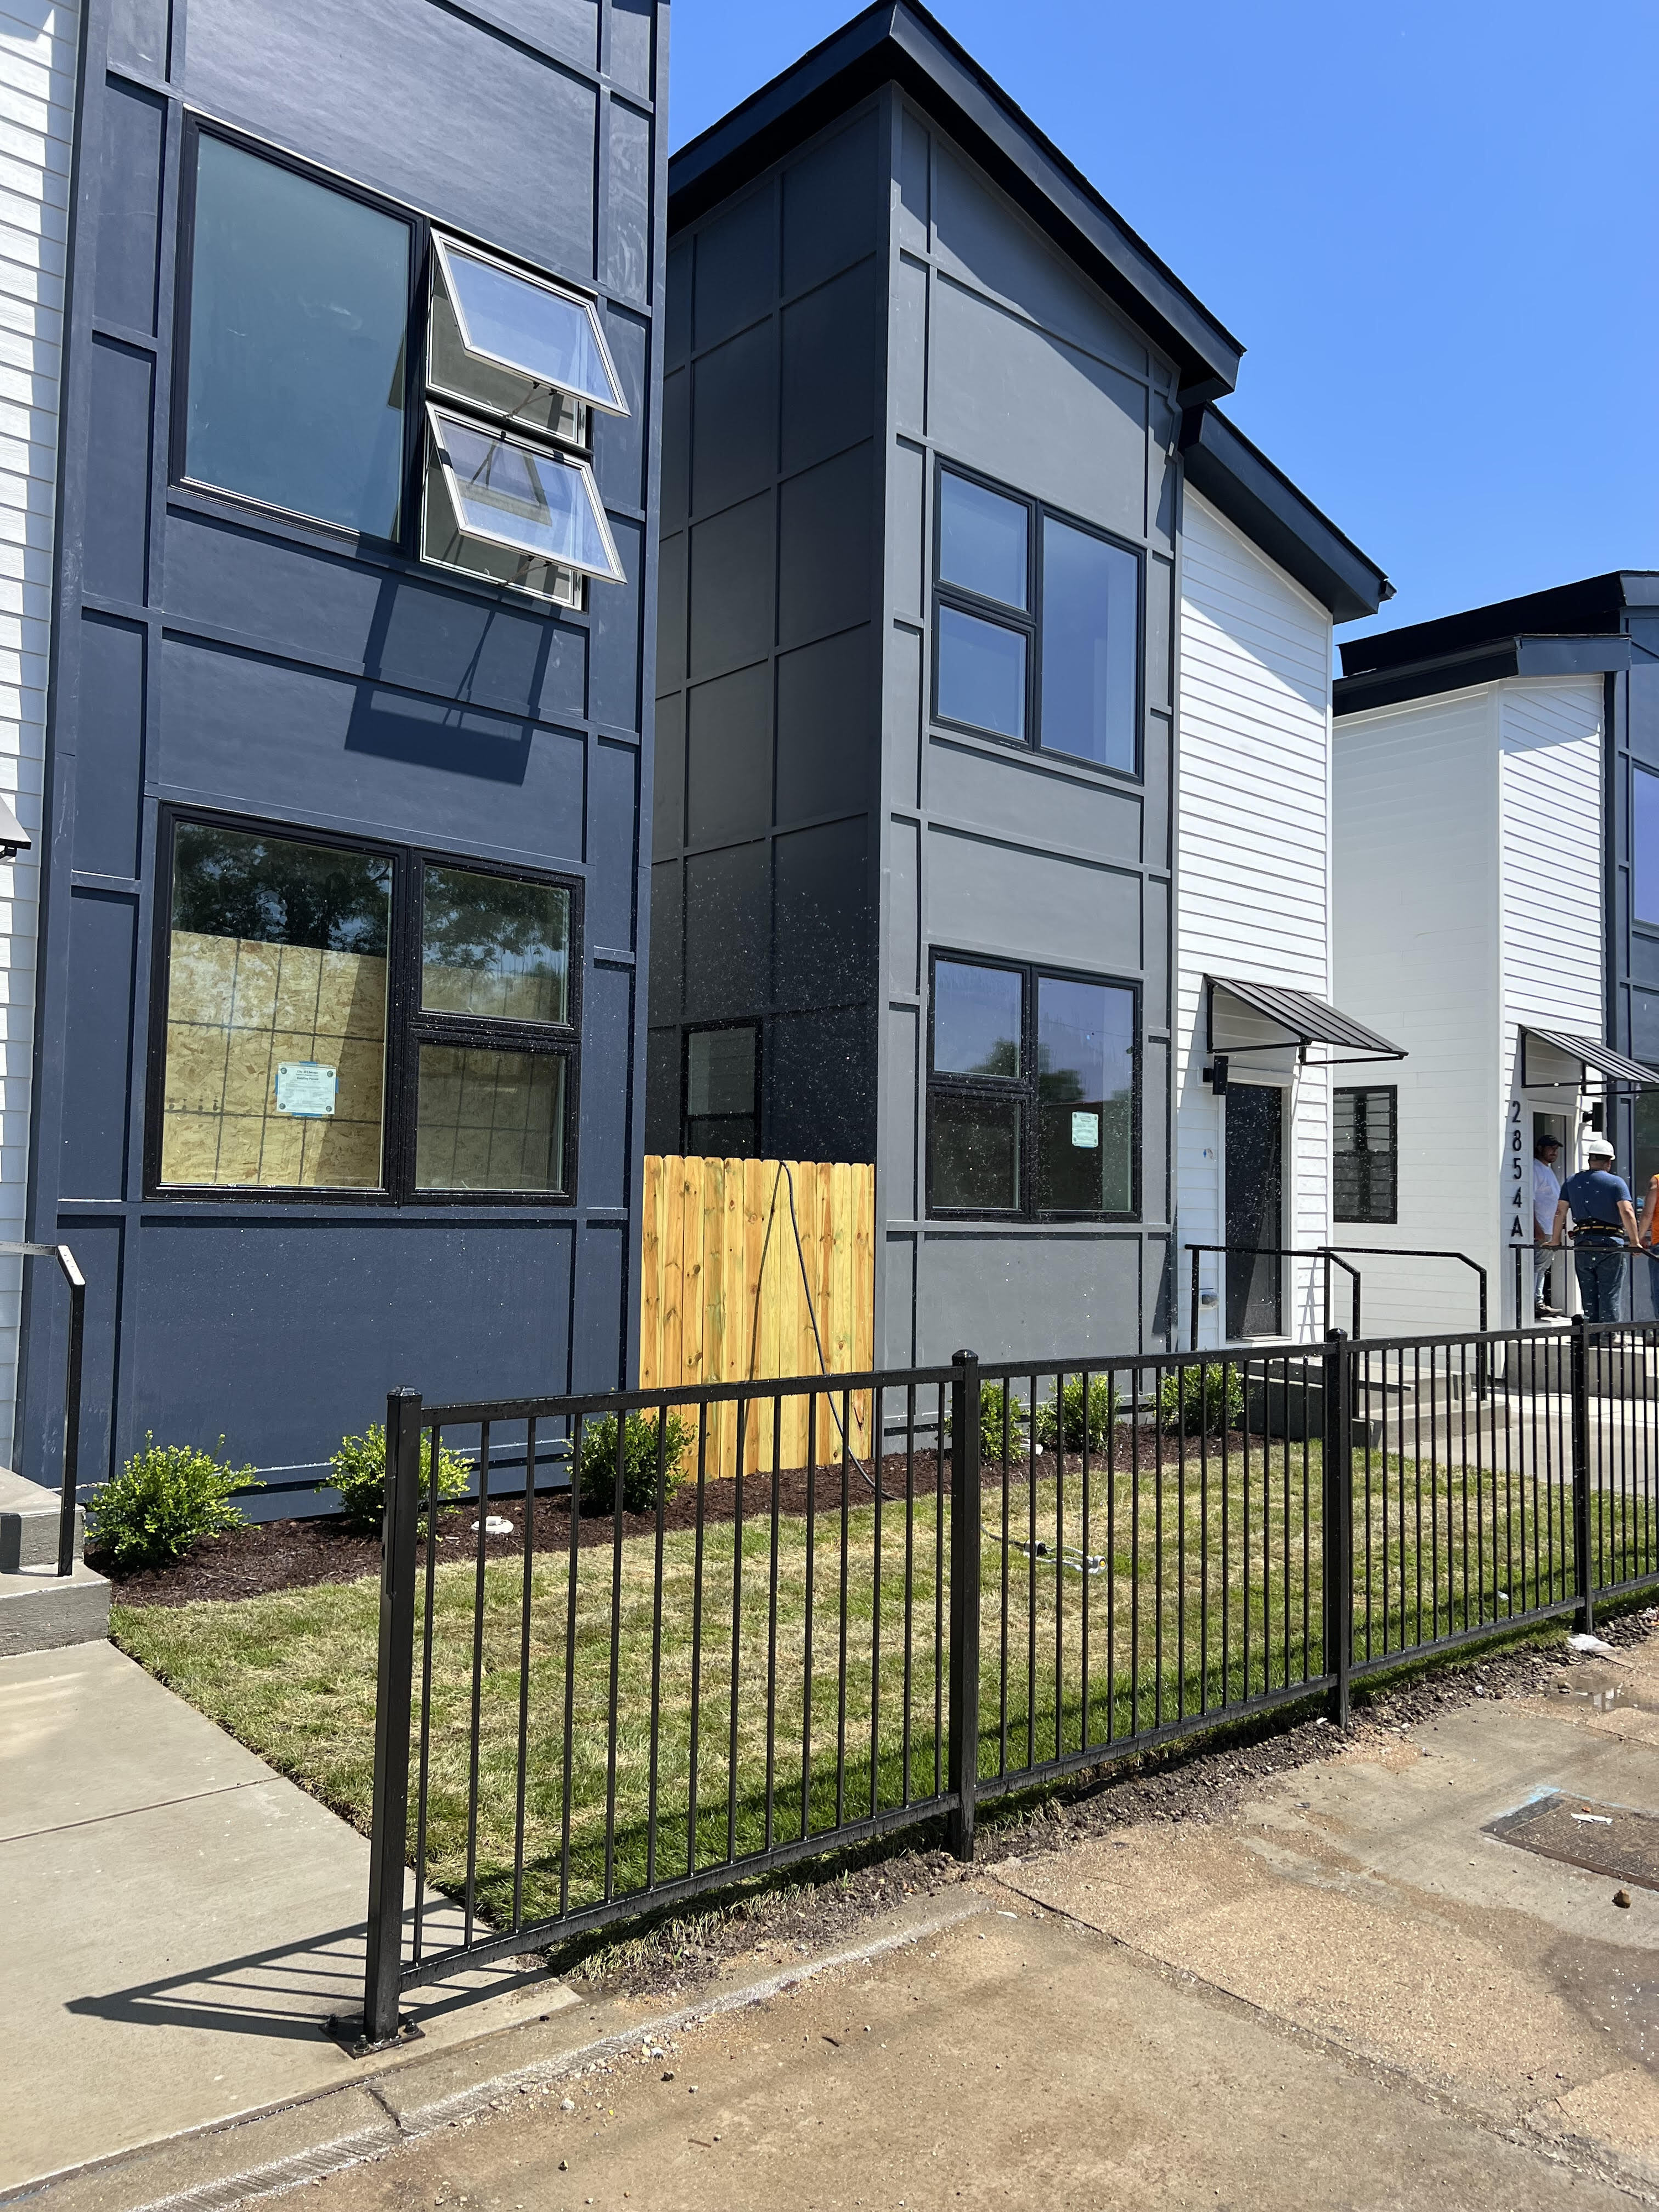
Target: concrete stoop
[40, 1610]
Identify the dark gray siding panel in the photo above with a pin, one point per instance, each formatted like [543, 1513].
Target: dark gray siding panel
[737, 269]
[733, 585]
[727, 929]
[832, 204]
[821, 1090]
[134, 126]
[823, 916]
[116, 552]
[627, 205]
[827, 547]
[109, 787]
[826, 727]
[607, 1029]
[831, 357]
[613, 813]
[734, 401]
[631, 44]
[668, 778]
[98, 1044]
[138, 36]
[614, 628]
[728, 776]
[434, 128]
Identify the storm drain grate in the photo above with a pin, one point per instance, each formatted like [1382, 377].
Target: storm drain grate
[1608, 1840]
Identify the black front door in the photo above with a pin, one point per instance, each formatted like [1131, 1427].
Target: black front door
[1255, 1212]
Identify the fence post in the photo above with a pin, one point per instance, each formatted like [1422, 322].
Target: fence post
[77, 1330]
[1337, 1519]
[1584, 1565]
[963, 1720]
[389, 1831]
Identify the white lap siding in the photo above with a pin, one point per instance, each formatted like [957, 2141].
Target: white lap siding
[37, 96]
[1253, 830]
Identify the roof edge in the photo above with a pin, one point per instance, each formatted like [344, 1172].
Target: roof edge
[1593, 606]
[898, 41]
[1491, 662]
[1258, 497]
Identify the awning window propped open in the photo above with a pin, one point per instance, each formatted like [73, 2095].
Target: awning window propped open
[1612, 1067]
[1246, 1018]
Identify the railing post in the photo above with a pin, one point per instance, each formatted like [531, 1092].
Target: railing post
[1195, 1342]
[77, 1325]
[1337, 1520]
[1584, 1565]
[963, 1721]
[389, 1831]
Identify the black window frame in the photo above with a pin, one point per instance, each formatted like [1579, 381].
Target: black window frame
[1024, 1088]
[702, 1028]
[417, 389]
[408, 1026]
[1028, 621]
[1369, 1216]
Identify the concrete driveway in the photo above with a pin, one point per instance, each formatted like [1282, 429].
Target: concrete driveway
[1349, 1993]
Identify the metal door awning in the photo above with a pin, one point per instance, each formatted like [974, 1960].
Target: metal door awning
[1237, 1009]
[1611, 1065]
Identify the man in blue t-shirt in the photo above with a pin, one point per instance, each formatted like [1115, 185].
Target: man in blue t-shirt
[1603, 1229]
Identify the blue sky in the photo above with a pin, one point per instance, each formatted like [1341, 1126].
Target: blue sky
[1431, 225]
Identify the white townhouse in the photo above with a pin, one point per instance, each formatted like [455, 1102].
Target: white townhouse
[1259, 1040]
[1496, 855]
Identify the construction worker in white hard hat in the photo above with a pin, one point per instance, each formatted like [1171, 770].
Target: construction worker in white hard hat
[1604, 1230]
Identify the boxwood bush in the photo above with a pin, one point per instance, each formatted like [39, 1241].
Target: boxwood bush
[596, 1468]
[165, 1500]
[1201, 1400]
[360, 1477]
[1072, 1420]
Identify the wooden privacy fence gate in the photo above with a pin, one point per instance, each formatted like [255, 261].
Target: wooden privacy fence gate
[728, 1293]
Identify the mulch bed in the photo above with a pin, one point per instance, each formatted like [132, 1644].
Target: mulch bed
[279, 1555]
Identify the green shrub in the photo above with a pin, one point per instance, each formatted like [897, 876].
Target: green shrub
[1201, 1400]
[165, 1499]
[595, 1470]
[1070, 1422]
[995, 1399]
[360, 1477]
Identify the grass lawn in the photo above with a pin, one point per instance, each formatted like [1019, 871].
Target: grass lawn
[830, 1711]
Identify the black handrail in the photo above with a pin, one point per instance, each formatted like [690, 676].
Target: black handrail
[1409, 1252]
[1324, 1252]
[77, 1291]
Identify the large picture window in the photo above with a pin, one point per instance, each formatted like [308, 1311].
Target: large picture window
[1367, 1154]
[1031, 1094]
[722, 1091]
[303, 350]
[340, 1018]
[1036, 626]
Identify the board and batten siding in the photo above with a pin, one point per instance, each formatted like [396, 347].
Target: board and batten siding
[1415, 869]
[37, 108]
[1254, 835]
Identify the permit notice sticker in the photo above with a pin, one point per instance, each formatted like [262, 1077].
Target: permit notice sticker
[306, 1087]
[1086, 1133]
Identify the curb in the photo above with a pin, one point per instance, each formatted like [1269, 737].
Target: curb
[259, 2157]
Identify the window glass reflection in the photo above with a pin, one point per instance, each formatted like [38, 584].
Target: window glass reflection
[982, 673]
[494, 947]
[982, 537]
[1090, 626]
[1086, 1090]
[529, 326]
[976, 1020]
[975, 1145]
[1645, 845]
[298, 308]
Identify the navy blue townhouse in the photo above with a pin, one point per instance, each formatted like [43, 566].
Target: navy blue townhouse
[338, 1078]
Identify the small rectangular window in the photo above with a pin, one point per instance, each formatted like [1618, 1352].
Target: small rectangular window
[1032, 1093]
[326, 1032]
[298, 322]
[1366, 1153]
[722, 1093]
[1036, 626]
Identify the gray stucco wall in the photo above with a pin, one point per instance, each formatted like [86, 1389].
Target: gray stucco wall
[1005, 359]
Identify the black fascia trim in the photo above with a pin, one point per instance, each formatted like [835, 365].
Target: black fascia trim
[1237, 477]
[1487, 663]
[899, 42]
[1593, 606]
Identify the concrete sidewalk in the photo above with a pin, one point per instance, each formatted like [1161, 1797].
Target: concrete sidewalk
[179, 1924]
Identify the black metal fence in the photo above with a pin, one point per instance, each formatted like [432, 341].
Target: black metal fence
[924, 1589]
